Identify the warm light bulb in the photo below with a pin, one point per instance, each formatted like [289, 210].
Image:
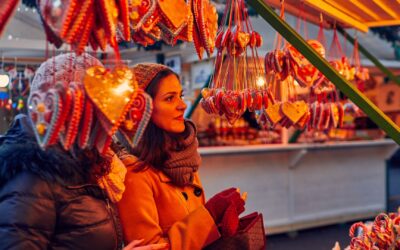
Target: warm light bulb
[260, 81]
[4, 81]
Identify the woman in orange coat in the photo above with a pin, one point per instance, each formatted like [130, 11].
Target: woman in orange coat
[164, 200]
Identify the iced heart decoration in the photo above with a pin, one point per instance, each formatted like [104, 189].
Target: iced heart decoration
[85, 124]
[140, 11]
[7, 9]
[112, 93]
[69, 130]
[46, 112]
[58, 15]
[137, 118]
[294, 111]
[273, 113]
[205, 27]
[174, 12]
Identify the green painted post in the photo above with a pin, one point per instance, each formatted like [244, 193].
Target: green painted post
[384, 122]
[368, 55]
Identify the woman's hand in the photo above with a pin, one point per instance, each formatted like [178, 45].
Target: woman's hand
[134, 245]
[225, 208]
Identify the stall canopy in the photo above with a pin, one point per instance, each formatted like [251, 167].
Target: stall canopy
[358, 14]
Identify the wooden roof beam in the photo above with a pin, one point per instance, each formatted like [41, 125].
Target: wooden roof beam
[386, 8]
[365, 9]
[383, 23]
[340, 16]
[340, 7]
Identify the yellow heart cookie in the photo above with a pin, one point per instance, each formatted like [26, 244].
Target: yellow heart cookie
[273, 113]
[294, 111]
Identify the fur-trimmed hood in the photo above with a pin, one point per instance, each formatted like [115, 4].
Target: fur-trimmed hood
[20, 152]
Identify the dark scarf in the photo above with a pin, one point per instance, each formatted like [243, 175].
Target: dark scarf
[184, 159]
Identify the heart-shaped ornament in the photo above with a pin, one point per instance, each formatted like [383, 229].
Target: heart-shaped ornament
[243, 39]
[112, 92]
[204, 105]
[86, 125]
[294, 111]
[137, 118]
[59, 15]
[45, 111]
[334, 116]
[212, 105]
[205, 92]
[323, 117]
[303, 121]
[232, 117]
[273, 113]
[140, 12]
[7, 9]
[174, 12]
[69, 130]
[230, 102]
[341, 114]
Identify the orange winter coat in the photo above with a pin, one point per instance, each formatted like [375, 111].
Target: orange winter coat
[154, 209]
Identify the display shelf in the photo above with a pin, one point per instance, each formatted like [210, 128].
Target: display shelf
[292, 147]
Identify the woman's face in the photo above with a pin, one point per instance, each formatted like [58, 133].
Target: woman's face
[168, 105]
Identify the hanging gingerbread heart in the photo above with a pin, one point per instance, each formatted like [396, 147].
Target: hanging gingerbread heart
[77, 27]
[187, 33]
[137, 118]
[123, 16]
[174, 14]
[81, 43]
[294, 111]
[59, 15]
[86, 124]
[273, 113]
[303, 121]
[45, 110]
[207, 22]
[112, 92]
[140, 11]
[109, 16]
[198, 45]
[69, 130]
[6, 11]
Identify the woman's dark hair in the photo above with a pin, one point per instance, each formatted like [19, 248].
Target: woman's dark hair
[96, 165]
[151, 149]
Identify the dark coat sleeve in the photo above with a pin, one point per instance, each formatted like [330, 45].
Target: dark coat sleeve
[27, 213]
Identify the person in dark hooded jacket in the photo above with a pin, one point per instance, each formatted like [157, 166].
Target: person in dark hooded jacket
[47, 200]
[53, 198]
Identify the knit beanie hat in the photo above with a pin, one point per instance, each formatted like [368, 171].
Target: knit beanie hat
[139, 115]
[57, 104]
[145, 72]
[64, 68]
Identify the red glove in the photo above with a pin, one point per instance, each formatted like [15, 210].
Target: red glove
[218, 204]
[230, 221]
